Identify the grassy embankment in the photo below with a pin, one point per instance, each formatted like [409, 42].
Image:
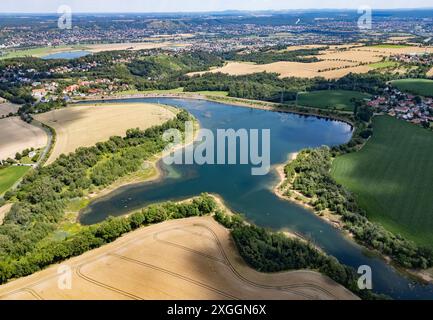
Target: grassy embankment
[391, 178]
[331, 99]
[174, 91]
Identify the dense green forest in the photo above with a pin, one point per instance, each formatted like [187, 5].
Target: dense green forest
[44, 193]
[266, 56]
[168, 66]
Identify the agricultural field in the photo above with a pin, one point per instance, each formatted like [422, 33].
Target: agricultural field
[392, 176]
[330, 99]
[335, 62]
[17, 135]
[422, 87]
[383, 65]
[85, 125]
[390, 46]
[10, 175]
[95, 48]
[292, 69]
[6, 108]
[390, 49]
[200, 261]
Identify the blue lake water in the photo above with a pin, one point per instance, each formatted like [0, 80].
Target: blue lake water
[67, 55]
[253, 195]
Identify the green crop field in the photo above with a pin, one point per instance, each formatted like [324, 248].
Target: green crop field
[422, 87]
[391, 46]
[392, 178]
[330, 99]
[10, 175]
[383, 65]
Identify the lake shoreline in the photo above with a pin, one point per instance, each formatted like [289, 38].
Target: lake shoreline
[239, 102]
[156, 174]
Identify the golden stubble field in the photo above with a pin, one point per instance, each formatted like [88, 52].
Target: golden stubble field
[335, 62]
[85, 125]
[7, 107]
[17, 135]
[192, 258]
[95, 48]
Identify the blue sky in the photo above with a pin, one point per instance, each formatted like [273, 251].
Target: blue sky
[50, 6]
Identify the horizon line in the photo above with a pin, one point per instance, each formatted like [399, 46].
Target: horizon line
[225, 10]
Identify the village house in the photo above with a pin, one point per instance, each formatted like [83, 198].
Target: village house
[38, 94]
[71, 88]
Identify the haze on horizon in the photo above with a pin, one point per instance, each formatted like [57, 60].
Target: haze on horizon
[141, 6]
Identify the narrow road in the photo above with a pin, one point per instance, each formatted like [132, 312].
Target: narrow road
[43, 156]
[47, 148]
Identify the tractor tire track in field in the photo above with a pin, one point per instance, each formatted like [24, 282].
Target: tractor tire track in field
[81, 275]
[226, 261]
[175, 274]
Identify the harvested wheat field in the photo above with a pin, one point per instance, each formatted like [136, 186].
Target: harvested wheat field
[7, 107]
[335, 62]
[292, 69]
[396, 49]
[192, 258]
[17, 135]
[85, 125]
[304, 47]
[130, 46]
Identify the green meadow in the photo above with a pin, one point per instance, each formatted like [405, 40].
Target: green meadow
[330, 99]
[383, 65]
[422, 87]
[391, 46]
[392, 178]
[10, 175]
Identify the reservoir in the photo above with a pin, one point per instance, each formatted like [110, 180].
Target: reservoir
[67, 55]
[253, 195]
